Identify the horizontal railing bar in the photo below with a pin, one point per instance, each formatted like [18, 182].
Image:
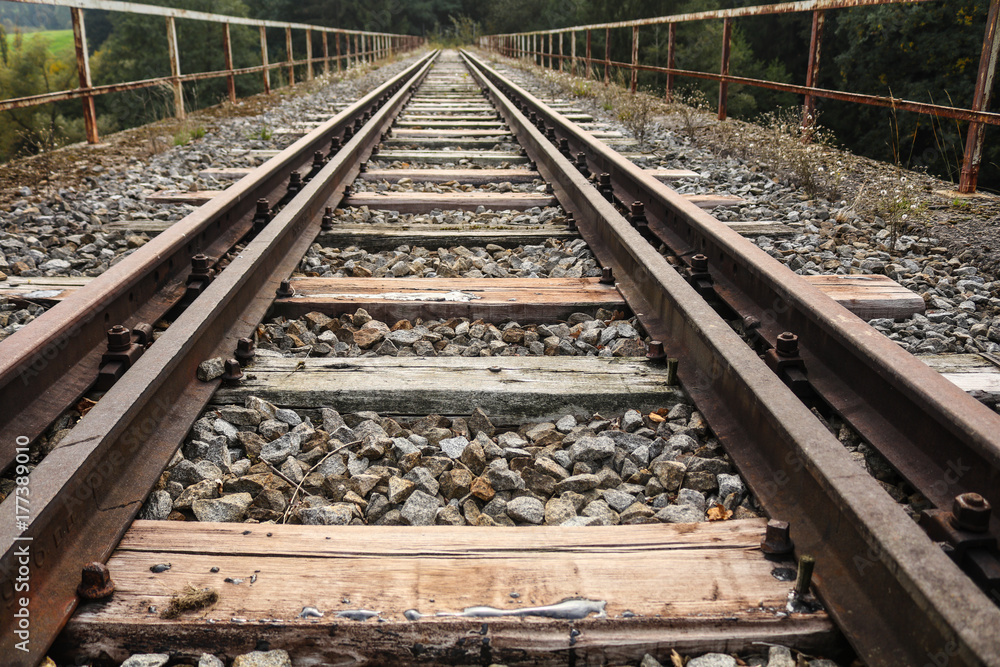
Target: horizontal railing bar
[137, 8]
[738, 12]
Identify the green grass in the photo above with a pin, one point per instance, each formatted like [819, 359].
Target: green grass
[60, 41]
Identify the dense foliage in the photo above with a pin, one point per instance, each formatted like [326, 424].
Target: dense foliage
[927, 52]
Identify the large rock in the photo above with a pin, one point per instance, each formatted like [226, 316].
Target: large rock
[712, 660]
[243, 417]
[592, 449]
[147, 660]
[157, 507]
[526, 510]
[454, 447]
[502, 479]
[226, 509]
[680, 514]
[420, 509]
[456, 483]
[558, 511]
[338, 514]
[479, 422]
[670, 473]
[619, 501]
[187, 473]
[278, 658]
[578, 483]
[276, 451]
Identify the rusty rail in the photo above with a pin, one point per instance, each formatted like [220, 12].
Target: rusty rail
[901, 600]
[525, 45]
[85, 493]
[368, 47]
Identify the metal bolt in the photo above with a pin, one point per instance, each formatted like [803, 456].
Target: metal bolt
[327, 222]
[971, 512]
[348, 191]
[334, 145]
[96, 583]
[550, 133]
[672, 364]
[245, 351]
[777, 540]
[294, 179]
[804, 576]
[787, 344]
[143, 334]
[285, 290]
[655, 351]
[348, 133]
[605, 188]
[581, 164]
[564, 146]
[699, 263]
[119, 338]
[199, 263]
[570, 222]
[637, 214]
[233, 372]
[318, 159]
[363, 168]
[263, 207]
[607, 276]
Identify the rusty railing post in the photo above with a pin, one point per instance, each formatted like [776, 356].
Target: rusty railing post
[336, 41]
[175, 68]
[607, 55]
[984, 85]
[227, 45]
[812, 73]
[288, 52]
[561, 58]
[326, 55]
[727, 33]
[671, 46]
[263, 60]
[83, 73]
[590, 70]
[572, 52]
[309, 54]
[635, 58]
[548, 53]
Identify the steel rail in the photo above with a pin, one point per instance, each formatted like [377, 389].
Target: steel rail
[899, 598]
[922, 423]
[87, 491]
[49, 364]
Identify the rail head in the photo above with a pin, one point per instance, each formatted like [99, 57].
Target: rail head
[891, 587]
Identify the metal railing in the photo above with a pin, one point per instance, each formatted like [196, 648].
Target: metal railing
[532, 45]
[350, 47]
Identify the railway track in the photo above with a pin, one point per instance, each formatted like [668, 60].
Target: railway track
[217, 284]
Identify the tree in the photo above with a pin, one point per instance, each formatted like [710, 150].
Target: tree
[136, 49]
[28, 69]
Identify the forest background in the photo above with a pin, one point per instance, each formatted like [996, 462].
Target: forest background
[927, 52]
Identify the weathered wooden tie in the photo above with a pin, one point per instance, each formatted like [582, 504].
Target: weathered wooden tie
[512, 390]
[538, 300]
[689, 587]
